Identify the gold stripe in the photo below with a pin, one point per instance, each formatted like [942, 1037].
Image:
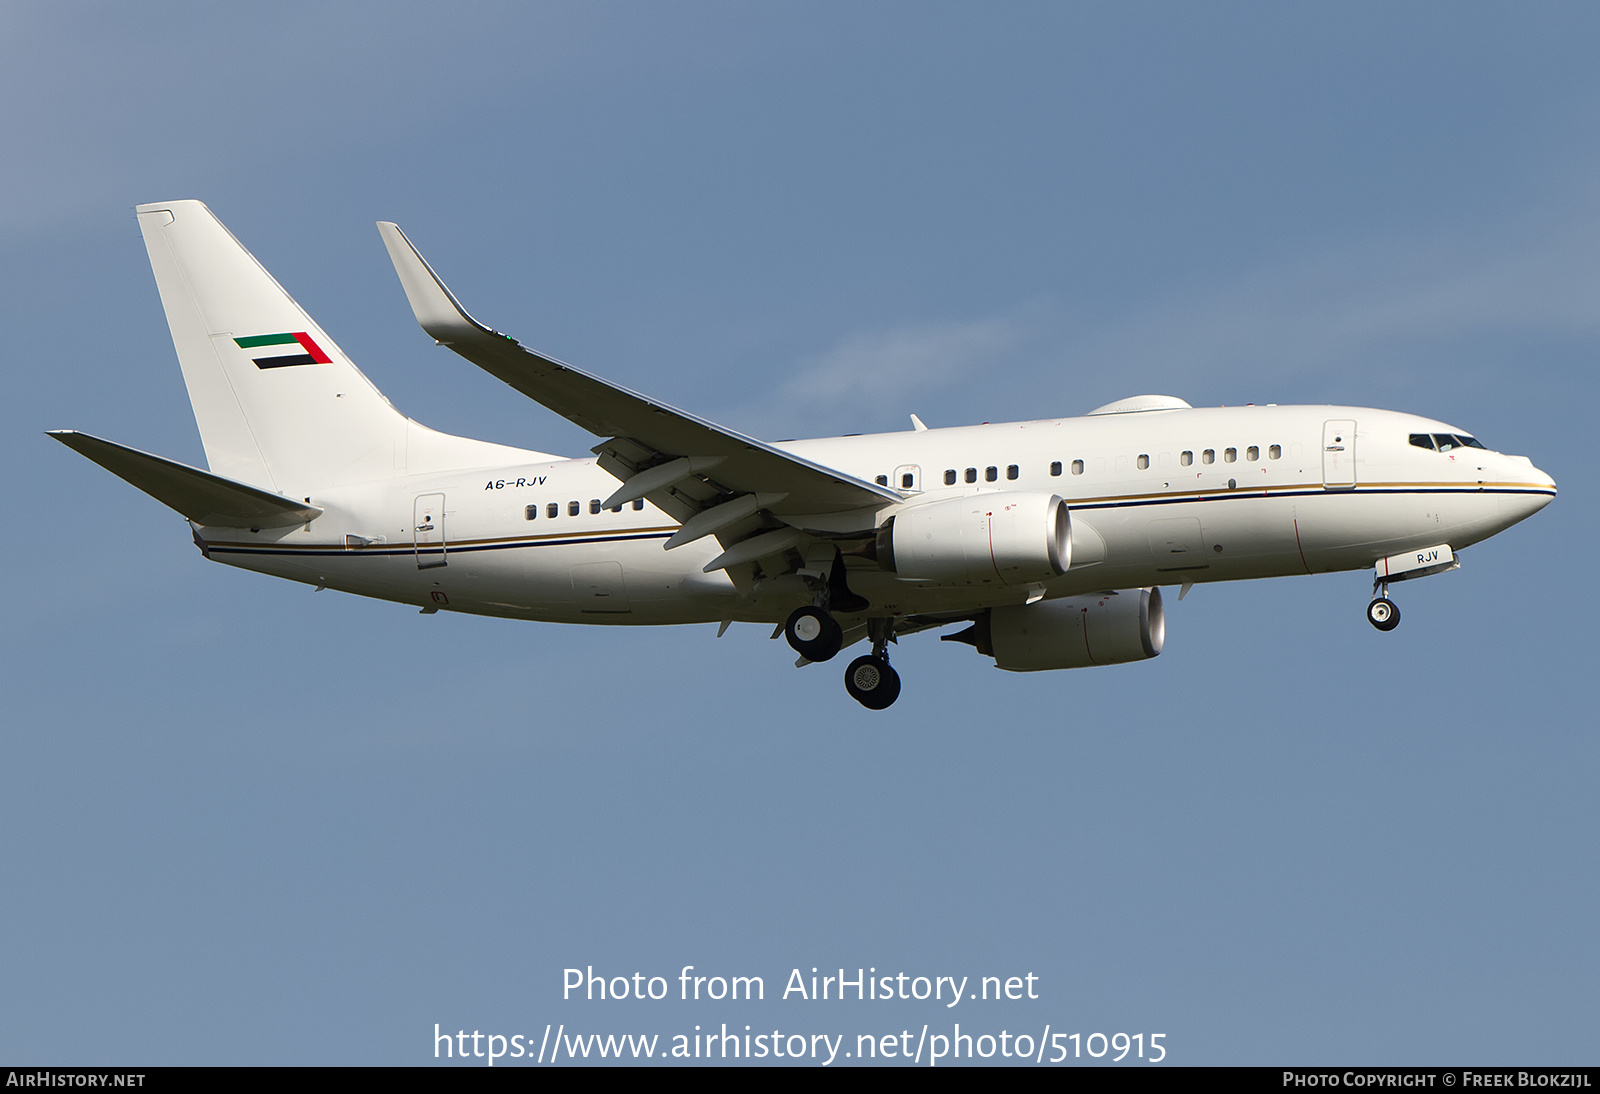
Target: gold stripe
[454, 544]
[1280, 488]
[1219, 492]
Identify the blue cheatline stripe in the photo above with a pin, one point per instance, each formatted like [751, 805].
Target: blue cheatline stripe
[1226, 495]
[408, 550]
[1242, 493]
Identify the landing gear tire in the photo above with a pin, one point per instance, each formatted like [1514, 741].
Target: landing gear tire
[871, 682]
[1383, 614]
[813, 633]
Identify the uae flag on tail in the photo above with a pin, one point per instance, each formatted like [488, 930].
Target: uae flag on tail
[309, 352]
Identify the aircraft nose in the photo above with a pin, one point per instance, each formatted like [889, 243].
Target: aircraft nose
[1537, 479]
[1539, 489]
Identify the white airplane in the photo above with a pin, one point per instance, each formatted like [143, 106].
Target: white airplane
[1049, 539]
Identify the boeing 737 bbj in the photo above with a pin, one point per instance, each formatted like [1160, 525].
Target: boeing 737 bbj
[1048, 540]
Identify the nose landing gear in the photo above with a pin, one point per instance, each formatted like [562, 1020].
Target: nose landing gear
[1382, 612]
[1422, 562]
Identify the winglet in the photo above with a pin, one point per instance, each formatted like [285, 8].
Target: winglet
[437, 310]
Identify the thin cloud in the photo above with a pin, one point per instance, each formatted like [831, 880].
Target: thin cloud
[1376, 312]
[1358, 308]
[869, 373]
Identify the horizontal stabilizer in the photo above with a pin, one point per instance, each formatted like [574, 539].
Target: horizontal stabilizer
[199, 495]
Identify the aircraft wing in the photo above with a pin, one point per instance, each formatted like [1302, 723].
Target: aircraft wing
[686, 465]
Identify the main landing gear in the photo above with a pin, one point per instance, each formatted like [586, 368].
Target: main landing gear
[812, 630]
[870, 680]
[813, 633]
[1382, 612]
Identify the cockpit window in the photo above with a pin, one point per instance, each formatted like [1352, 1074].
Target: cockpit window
[1446, 441]
[1422, 440]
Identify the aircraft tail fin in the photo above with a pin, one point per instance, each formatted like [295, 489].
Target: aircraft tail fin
[278, 404]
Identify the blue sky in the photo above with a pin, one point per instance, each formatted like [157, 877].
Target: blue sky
[248, 823]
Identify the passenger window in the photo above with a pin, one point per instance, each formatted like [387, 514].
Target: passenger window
[949, 477]
[616, 508]
[991, 474]
[1013, 471]
[882, 480]
[1229, 455]
[1144, 462]
[1275, 452]
[1186, 458]
[594, 506]
[1055, 469]
[1208, 456]
[573, 508]
[1253, 454]
[972, 474]
[531, 513]
[639, 504]
[1077, 467]
[1421, 440]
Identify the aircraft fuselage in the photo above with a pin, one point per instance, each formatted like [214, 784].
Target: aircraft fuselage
[1156, 497]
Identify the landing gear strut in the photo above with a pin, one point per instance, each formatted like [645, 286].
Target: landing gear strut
[870, 680]
[1382, 612]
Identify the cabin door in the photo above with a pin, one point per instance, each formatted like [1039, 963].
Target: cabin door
[428, 528]
[1339, 455]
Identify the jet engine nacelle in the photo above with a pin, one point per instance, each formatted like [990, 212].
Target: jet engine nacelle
[1073, 632]
[1010, 538]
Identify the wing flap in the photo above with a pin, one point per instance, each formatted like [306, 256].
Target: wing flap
[199, 495]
